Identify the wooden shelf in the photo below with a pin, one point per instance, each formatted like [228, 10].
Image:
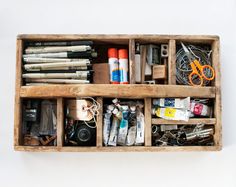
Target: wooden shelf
[132, 91]
[194, 121]
[109, 90]
[116, 149]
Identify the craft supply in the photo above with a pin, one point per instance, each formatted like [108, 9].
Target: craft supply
[153, 54]
[106, 127]
[186, 135]
[199, 109]
[114, 132]
[164, 51]
[69, 54]
[45, 66]
[159, 72]
[114, 66]
[172, 113]
[61, 43]
[131, 136]
[101, 73]
[83, 75]
[48, 120]
[137, 63]
[168, 127]
[38, 60]
[172, 102]
[123, 66]
[58, 81]
[140, 129]
[190, 59]
[123, 130]
[46, 49]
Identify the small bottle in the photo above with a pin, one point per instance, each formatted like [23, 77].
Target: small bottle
[114, 66]
[123, 66]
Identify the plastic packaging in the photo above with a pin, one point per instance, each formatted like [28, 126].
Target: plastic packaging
[140, 129]
[123, 130]
[114, 66]
[106, 128]
[130, 140]
[114, 132]
[200, 109]
[173, 102]
[123, 66]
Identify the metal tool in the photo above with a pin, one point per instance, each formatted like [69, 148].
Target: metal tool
[199, 72]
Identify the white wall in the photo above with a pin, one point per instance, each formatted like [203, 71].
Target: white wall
[117, 169]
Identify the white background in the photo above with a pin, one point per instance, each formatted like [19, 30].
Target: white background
[123, 17]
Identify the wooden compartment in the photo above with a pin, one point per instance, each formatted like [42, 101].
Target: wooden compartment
[100, 91]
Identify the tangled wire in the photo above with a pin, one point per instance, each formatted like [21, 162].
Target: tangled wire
[183, 68]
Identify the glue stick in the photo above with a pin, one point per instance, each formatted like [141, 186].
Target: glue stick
[123, 66]
[113, 65]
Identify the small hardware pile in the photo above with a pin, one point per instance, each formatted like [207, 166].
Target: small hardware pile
[123, 123]
[190, 135]
[151, 63]
[58, 62]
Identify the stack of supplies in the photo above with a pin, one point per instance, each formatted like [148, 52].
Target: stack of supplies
[58, 62]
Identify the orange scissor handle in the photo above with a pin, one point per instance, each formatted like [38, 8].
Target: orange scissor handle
[201, 73]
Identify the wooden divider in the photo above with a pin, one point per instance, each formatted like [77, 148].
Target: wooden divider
[18, 102]
[217, 106]
[132, 61]
[148, 121]
[172, 62]
[100, 122]
[60, 122]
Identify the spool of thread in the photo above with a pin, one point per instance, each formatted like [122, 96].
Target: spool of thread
[123, 66]
[113, 66]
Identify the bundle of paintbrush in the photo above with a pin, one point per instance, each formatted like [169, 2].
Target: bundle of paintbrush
[58, 62]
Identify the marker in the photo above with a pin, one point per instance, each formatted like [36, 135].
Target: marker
[36, 50]
[45, 66]
[63, 43]
[69, 54]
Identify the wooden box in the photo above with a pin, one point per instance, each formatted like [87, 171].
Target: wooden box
[132, 90]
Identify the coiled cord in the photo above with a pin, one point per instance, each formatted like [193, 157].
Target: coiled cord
[183, 68]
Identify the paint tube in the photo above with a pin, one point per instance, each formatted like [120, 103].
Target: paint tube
[140, 129]
[123, 130]
[200, 109]
[114, 132]
[172, 113]
[130, 140]
[106, 127]
[173, 103]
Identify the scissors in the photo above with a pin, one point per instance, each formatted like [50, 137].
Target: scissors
[199, 71]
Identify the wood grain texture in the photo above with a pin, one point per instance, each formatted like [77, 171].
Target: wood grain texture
[172, 62]
[193, 121]
[143, 54]
[205, 39]
[132, 61]
[148, 124]
[100, 123]
[218, 104]
[116, 149]
[60, 122]
[18, 104]
[109, 90]
[122, 91]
